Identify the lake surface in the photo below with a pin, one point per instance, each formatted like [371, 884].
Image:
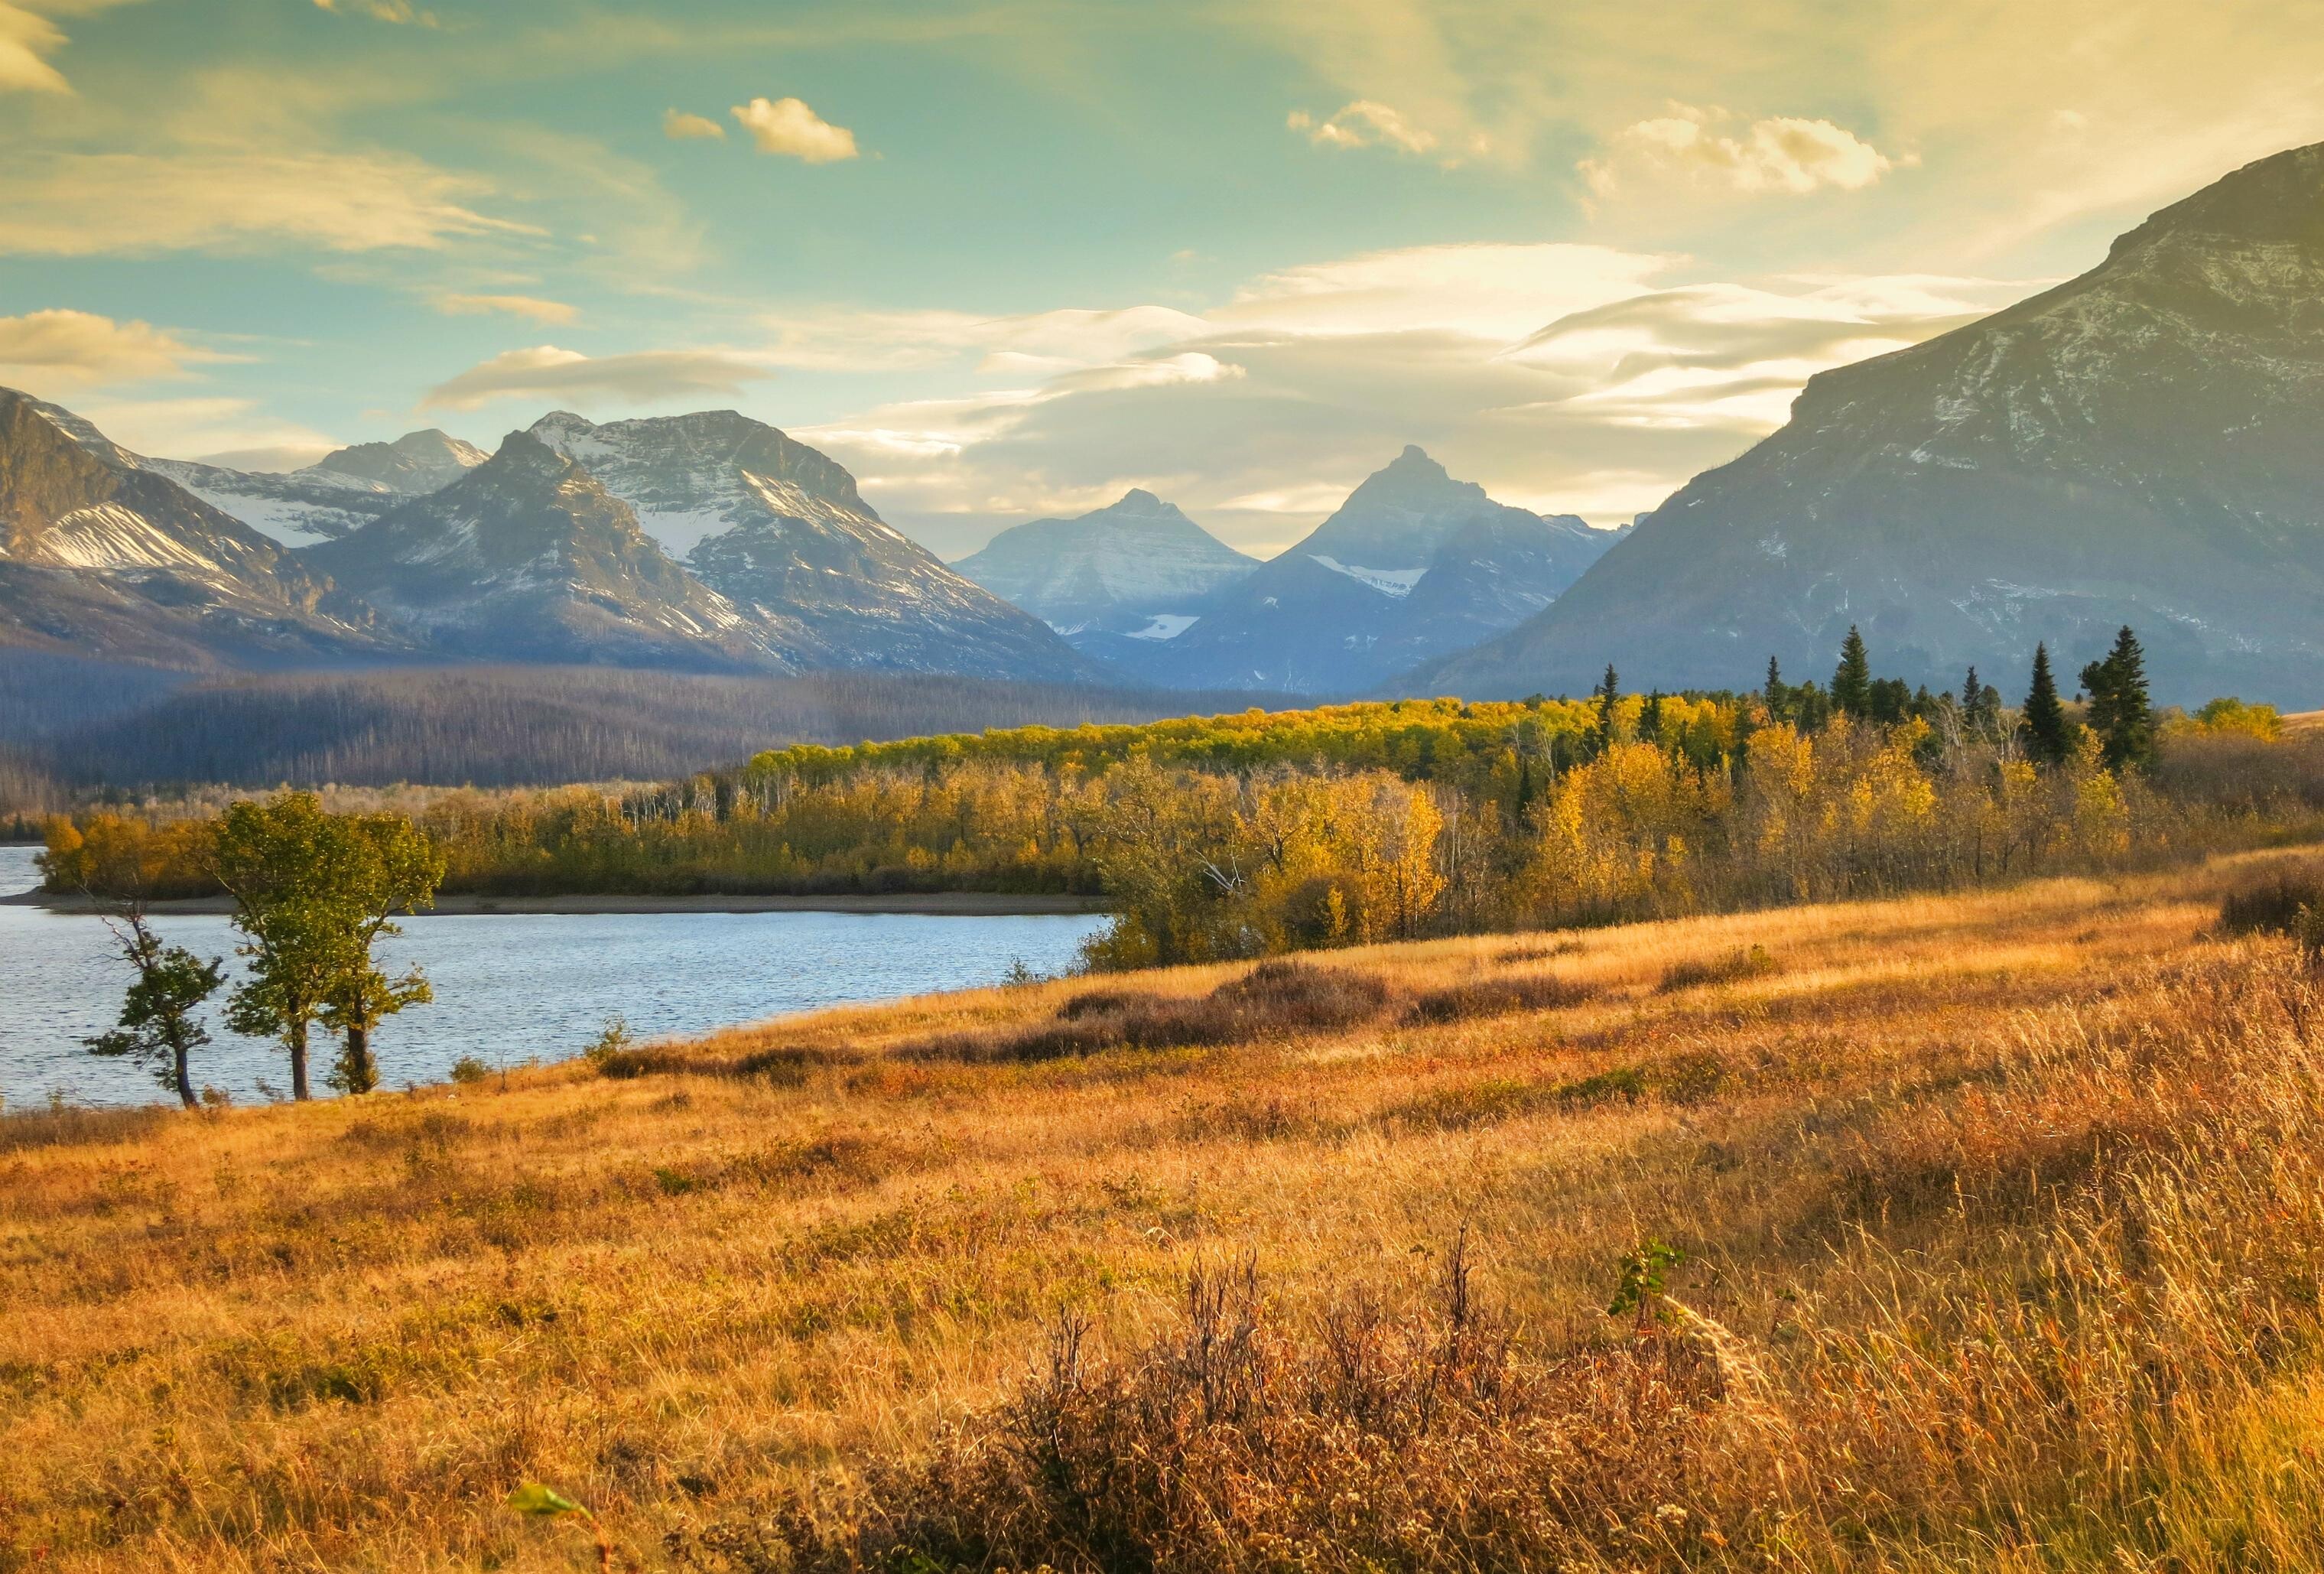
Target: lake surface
[509, 986]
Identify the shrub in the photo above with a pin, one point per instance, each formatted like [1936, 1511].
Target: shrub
[1275, 997]
[1499, 997]
[1754, 963]
[650, 1061]
[2270, 901]
[468, 1070]
[1396, 1430]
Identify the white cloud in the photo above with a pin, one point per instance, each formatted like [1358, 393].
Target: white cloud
[1565, 378]
[1361, 124]
[559, 376]
[402, 13]
[1782, 153]
[222, 431]
[236, 200]
[553, 312]
[26, 42]
[46, 350]
[789, 128]
[680, 126]
[1040, 342]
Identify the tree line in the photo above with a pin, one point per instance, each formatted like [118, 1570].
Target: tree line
[1252, 832]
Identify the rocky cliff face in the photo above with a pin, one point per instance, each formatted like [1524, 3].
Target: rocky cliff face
[415, 464]
[779, 530]
[1413, 565]
[529, 557]
[2142, 445]
[100, 555]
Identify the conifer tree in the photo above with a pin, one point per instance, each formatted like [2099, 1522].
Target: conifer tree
[2121, 713]
[1851, 682]
[1774, 691]
[1608, 693]
[2045, 716]
[1650, 718]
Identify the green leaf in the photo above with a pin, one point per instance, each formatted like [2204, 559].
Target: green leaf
[545, 1502]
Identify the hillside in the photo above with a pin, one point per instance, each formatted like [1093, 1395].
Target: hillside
[1992, 1226]
[1114, 569]
[2143, 445]
[493, 726]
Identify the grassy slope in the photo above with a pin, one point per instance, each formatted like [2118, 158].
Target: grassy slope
[1968, 1184]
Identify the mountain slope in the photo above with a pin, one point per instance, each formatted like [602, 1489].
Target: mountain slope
[1133, 560]
[415, 464]
[2143, 444]
[528, 557]
[102, 556]
[781, 531]
[1413, 565]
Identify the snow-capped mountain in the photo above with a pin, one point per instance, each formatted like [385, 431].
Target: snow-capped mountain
[1119, 568]
[529, 557]
[1414, 565]
[415, 464]
[102, 553]
[781, 531]
[2143, 445]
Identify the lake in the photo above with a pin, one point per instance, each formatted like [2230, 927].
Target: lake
[509, 986]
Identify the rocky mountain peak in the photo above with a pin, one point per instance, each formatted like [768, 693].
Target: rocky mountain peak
[414, 463]
[2278, 201]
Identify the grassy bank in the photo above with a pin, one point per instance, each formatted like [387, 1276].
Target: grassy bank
[1994, 1232]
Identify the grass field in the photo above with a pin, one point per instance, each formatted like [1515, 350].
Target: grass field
[1997, 1219]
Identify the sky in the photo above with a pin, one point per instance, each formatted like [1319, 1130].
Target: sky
[1008, 259]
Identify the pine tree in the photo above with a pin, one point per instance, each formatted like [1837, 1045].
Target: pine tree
[1607, 694]
[2122, 712]
[2045, 718]
[1970, 693]
[1650, 718]
[1774, 691]
[1851, 683]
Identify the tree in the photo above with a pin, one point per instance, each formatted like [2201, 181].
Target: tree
[296, 875]
[1610, 695]
[157, 1024]
[1773, 692]
[1852, 681]
[391, 867]
[115, 863]
[1650, 718]
[2045, 716]
[2121, 711]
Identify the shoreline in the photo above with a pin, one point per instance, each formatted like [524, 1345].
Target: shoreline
[923, 903]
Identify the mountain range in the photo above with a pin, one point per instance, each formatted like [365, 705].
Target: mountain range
[1413, 565]
[2142, 445]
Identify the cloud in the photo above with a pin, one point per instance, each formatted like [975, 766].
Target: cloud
[553, 312]
[398, 12]
[1565, 378]
[1032, 342]
[28, 37]
[59, 350]
[679, 127]
[237, 201]
[787, 127]
[558, 375]
[219, 430]
[1361, 124]
[1783, 154]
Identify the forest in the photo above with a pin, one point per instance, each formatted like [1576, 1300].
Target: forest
[1253, 833]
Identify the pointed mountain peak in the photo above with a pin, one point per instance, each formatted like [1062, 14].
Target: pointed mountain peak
[522, 453]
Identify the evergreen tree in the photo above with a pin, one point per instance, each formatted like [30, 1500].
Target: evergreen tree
[1609, 694]
[1851, 682]
[1774, 692]
[1650, 718]
[2045, 716]
[2121, 713]
[1970, 693]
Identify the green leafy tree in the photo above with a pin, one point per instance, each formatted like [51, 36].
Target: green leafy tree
[158, 1028]
[1851, 681]
[390, 867]
[2121, 713]
[2045, 728]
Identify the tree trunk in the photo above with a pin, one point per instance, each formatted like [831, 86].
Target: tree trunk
[362, 1073]
[298, 1043]
[185, 1076]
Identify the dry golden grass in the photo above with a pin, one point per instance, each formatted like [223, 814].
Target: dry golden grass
[2002, 1217]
